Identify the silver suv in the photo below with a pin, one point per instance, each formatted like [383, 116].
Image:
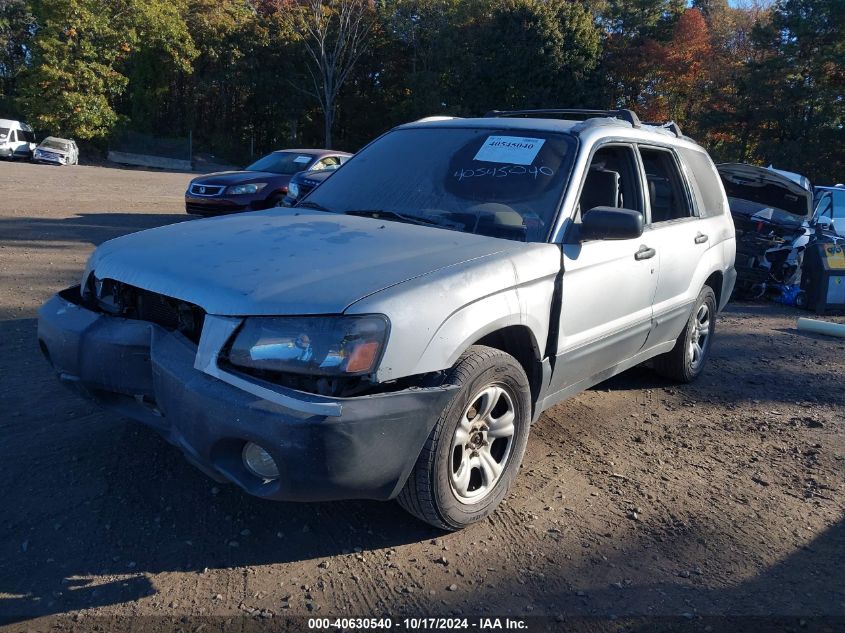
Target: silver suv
[396, 333]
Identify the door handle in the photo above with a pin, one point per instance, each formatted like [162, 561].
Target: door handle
[701, 238]
[644, 253]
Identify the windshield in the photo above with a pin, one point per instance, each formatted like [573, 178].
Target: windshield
[486, 181]
[4, 132]
[284, 163]
[52, 143]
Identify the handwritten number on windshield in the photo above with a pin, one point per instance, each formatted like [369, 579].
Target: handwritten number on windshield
[504, 171]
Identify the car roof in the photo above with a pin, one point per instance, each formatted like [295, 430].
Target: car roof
[12, 123]
[57, 138]
[313, 152]
[590, 129]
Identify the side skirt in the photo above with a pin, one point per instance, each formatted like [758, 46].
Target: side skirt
[567, 392]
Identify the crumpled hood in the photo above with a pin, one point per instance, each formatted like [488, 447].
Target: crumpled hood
[768, 187]
[283, 261]
[53, 150]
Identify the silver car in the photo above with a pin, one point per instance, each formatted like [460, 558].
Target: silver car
[395, 335]
[58, 151]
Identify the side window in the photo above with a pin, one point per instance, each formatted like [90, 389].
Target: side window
[611, 181]
[329, 162]
[824, 207]
[13, 137]
[838, 205]
[705, 182]
[666, 190]
[332, 162]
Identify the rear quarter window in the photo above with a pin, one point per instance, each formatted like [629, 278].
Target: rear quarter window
[705, 182]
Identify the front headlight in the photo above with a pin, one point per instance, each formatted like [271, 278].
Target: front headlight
[239, 190]
[293, 190]
[314, 346]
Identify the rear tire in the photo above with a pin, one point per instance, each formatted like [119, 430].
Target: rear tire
[475, 449]
[685, 362]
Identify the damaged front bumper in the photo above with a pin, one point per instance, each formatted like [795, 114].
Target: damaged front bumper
[326, 448]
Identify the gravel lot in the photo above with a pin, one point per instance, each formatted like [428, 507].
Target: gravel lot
[636, 498]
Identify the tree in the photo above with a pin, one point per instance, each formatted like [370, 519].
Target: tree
[73, 83]
[17, 27]
[80, 55]
[527, 53]
[334, 34]
[797, 89]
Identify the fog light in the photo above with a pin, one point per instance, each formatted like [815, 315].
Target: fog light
[259, 462]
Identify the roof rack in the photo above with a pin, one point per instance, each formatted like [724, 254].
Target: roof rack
[670, 125]
[623, 115]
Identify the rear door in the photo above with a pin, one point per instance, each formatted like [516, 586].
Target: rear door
[678, 234]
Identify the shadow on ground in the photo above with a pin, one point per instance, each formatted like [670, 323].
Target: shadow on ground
[86, 228]
[99, 503]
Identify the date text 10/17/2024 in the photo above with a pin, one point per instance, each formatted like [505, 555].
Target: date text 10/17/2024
[417, 624]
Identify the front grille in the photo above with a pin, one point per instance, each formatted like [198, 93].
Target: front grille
[194, 208]
[206, 190]
[129, 302]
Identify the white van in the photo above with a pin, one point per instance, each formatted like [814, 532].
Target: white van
[17, 140]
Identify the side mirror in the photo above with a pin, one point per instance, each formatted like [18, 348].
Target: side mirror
[610, 223]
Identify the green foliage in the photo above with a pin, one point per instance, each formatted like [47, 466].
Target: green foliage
[84, 53]
[796, 108]
[17, 25]
[752, 84]
[527, 53]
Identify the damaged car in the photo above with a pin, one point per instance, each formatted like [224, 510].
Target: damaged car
[56, 151]
[396, 334]
[772, 211]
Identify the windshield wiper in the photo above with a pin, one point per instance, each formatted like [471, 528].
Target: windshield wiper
[392, 215]
[305, 204]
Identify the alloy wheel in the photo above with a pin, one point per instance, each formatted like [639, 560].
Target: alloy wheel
[482, 443]
[699, 336]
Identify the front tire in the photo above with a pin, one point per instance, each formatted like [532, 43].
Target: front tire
[475, 449]
[685, 362]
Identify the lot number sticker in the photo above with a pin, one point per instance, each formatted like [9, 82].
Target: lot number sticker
[512, 150]
[302, 159]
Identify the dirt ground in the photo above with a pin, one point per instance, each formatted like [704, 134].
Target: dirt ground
[636, 498]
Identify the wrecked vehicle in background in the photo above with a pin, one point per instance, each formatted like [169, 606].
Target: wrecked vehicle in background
[771, 210]
[57, 151]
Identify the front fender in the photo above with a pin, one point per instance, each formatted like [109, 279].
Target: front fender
[435, 318]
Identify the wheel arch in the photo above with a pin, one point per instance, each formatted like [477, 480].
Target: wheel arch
[715, 281]
[519, 341]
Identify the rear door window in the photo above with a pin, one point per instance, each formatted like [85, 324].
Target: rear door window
[666, 188]
[705, 182]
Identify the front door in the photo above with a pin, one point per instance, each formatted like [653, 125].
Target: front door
[608, 285]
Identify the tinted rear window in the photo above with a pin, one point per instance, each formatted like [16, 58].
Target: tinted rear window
[705, 181]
